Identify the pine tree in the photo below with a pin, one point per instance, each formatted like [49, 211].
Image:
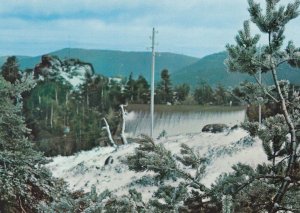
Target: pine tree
[23, 182]
[142, 90]
[246, 57]
[182, 91]
[167, 166]
[10, 69]
[129, 88]
[164, 88]
[221, 95]
[203, 94]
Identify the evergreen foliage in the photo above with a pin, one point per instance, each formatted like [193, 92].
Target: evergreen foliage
[142, 90]
[10, 70]
[221, 96]
[203, 94]
[169, 167]
[164, 92]
[149, 156]
[64, 119]
[137, 91]
[251, 127]
[61, 121]
[92, 202]
[127, 203]
[23, 180]
[242, 186]
[169, 199]
[278, 132]
[274, 137]
[181, 92]
[129, 88]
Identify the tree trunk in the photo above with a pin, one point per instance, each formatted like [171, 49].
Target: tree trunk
[292, 151]
[87, 100]
[67, 98]
[56, 98]
[46, 119]
[112, 142]
[123, 137]
[51, 116]
[83, 111]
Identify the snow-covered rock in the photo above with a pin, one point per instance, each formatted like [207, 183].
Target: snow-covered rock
[214, 128]
[69, 71]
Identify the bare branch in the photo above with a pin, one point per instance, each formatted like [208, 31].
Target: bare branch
[112, 142]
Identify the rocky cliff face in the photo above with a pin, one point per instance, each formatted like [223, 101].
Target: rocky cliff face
[69, 71]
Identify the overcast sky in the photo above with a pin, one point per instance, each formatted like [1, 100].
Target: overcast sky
[191, 27]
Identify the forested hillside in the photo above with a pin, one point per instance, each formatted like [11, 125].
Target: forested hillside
[212, 70]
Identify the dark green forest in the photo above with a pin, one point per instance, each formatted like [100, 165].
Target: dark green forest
[65, 120]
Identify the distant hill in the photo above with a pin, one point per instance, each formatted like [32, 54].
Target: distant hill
[211, 69]
[2, 60]
[183, 69]
[118, 63]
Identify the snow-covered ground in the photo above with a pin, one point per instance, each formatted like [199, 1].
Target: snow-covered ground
[86, 168]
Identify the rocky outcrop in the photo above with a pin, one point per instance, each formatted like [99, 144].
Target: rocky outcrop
[48, 67]
[72, 71]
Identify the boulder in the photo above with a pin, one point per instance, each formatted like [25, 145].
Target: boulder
[234, 127]
[215, 128]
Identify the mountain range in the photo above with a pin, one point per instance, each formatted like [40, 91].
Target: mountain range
[212, 70]
[183, 69]
[114, 63]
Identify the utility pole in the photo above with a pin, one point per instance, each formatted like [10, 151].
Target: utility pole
[152, 82]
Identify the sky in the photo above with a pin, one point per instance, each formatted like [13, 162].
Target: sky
[191, 27]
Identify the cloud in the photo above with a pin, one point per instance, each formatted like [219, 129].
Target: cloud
[61, 7]
[194, 27]
[96, 34]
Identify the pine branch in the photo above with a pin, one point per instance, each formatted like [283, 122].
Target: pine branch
[264, 89]
[285, 61]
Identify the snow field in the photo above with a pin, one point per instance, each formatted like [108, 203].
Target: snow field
[86, 168]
